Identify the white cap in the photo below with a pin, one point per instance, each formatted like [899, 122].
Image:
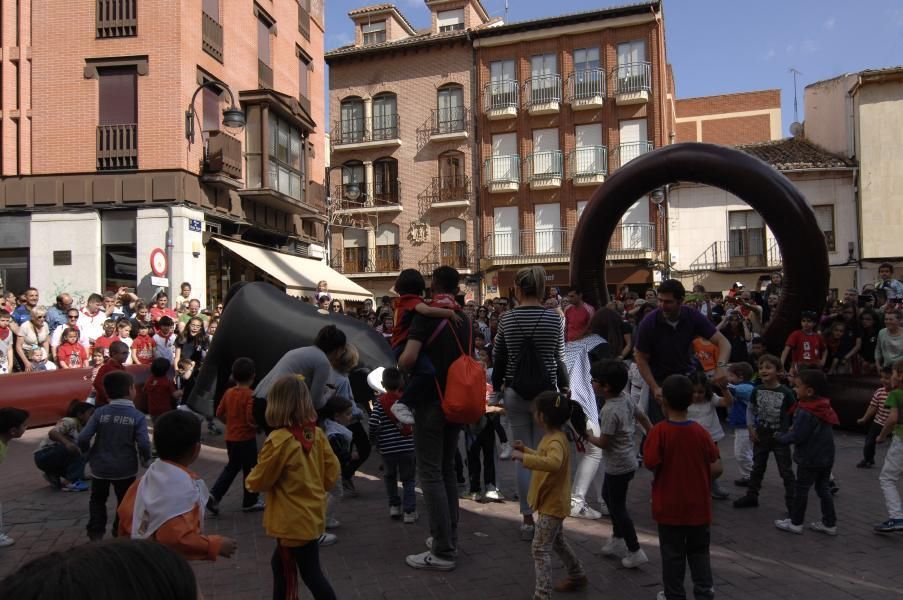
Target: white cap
[375, 380]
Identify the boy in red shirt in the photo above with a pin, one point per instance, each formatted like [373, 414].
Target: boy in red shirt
[806, 345]
[143, 346]
[108, 337]
[159, 390]
[684, 459]
[237, 410]
[71, 354]
[119, 352]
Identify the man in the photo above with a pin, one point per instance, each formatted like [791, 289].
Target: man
[750, 311]
[664, 342]
[109, 306]
[890, 285]
[577, 315]
[851, 297]
[56, 314]
[90, 321]
[161, 309]
[22, 312]
[194, 310]
[436, 439]
[501, 306]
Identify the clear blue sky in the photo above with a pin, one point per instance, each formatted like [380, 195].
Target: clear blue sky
[723, 46]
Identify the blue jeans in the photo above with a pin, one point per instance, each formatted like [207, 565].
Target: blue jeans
[397, 466]
[525, 429]
[57, 461]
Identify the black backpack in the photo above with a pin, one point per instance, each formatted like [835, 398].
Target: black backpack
[531, 376]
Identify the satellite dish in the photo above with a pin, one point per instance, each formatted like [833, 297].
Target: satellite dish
[796, 129]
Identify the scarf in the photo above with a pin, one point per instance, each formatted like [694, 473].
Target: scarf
[820, 408]
[165, 492]
[305, 433]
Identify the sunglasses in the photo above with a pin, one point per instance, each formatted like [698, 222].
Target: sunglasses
[72, 316]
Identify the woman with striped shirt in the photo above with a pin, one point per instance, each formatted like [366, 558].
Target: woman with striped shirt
[529, 323]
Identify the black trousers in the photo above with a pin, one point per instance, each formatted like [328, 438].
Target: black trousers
[260, 410]
[496, 423]
[242, 458]
[307, 560]
[768, 444]
[361, 442]
[97, 505]
[614, 492]
[681, 545]
[483, 443]
[806, 477]
[868, 450]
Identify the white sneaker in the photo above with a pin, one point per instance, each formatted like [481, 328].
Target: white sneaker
[635, 559]
[505, 451]
[615, 547]
[787, 525]
[332, 523]
[327, 539]
[394, 512]
[822, 528]
[582, 510]
[493, 494]
[411, 517]
[5, 540]
[403, 413]
[259, 506]
[430, 562]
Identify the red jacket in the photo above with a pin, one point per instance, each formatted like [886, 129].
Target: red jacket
[100, 394]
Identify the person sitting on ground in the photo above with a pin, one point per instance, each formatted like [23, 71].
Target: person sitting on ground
[12, 427]
[58, 456]
[167, 503]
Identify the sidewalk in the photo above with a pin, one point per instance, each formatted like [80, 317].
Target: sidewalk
[751, 559]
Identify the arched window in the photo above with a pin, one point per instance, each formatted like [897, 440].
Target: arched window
[354, 246]
[388, 253]
[351, 124]
[385, 181]
[452, 183]
[353, 179]
[385, 117]
[453, 243]
[450, 116]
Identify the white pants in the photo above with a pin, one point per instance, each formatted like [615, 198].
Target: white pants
[589, 471]
[743, 452]
[890, 475]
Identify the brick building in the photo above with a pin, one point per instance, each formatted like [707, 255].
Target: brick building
[96, 164]
[729, 119]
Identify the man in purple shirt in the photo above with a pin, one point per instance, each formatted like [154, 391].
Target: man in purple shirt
[664, 342]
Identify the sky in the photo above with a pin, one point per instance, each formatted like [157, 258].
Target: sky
[725, 46]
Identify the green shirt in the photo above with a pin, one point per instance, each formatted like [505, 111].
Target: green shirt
[2, 451]
[186, 317]
[895, 400]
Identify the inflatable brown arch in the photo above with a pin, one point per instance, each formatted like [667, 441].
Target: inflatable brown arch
[805, 256]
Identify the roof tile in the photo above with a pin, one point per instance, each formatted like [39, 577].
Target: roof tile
[795, 153]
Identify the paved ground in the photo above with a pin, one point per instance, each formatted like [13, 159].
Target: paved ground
[751, 559]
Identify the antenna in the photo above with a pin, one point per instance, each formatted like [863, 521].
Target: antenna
[506, 11]
[796, 115]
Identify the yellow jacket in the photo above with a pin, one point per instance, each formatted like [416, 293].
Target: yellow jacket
[550, 486]
[295, 484]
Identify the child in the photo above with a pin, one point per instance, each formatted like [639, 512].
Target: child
[71, 354]
[39, 361]
[183, 379]
[410, 287]
[893, 460]
[739, 377]
[395, 444]
[118, 353]
[167, 504]
[879, 411]
[619, 457]
[143, 346]
[335, 417]
[119, 431]
[103, 342]
[805, 345]
[165, 339]
[767, 417]
[236, 410]
[550, 491]
[124, 335]
[702, 410]
[812, 437]
[6, 343]
[159, 390]
[12, 427]
[97, 358]
[684, 459]
[58, 455]
[706, 354]
[295, 467]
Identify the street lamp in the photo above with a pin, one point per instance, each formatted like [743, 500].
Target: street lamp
[352, 192]
[233, 117]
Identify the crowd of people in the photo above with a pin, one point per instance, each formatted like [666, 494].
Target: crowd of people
[606, 389]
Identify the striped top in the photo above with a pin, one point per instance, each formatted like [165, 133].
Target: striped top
[386, 433]
[878, 400]
[516, 326]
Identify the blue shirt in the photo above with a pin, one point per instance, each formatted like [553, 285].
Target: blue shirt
[742, 392]
[669, 345]
[56, 317]
[120, 435]
[21, 314]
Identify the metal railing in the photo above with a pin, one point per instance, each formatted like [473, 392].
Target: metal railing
[450, 188]
[588, 161]
[638, 237]
[223, 154]
[633, 77]
[626, 152]
[499, 95]
[386, 192]
[585, 84]
[264, 75]
[383, 127]
[116, 18]
[365, 129]
[211, 36]
[447, 254]
[542, 89]
[379, 193]
[387, 259]
[543, 166]
[722, 256]
[448, 120]
[528, 244]
[117, 147]
[502, 169]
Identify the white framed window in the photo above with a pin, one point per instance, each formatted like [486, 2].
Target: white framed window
[506, 231]
[374, 33]
[631, 52]
[546, 157]
[451, 20]
[547, 230]
[824, 215]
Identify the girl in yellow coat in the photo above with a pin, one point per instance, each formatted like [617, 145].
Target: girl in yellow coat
[295, 468]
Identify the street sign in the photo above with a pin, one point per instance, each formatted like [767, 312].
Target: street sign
[158, 262]
[194, 225]
[160, 281]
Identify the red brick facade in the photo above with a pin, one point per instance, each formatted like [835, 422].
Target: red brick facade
[729, 119]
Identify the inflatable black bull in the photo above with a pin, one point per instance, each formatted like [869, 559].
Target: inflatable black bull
[263, 323]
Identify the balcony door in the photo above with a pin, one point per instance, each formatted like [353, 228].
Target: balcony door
[453, 243]
[506, 232]
[633, 139]
[547, 230]
[503, 165]
[631, 56]
[451, 109]
[354, 246]
[385, 181]
[388, 256]
[385, 117]
[503, 84]
[589, 157]
[546, 157]
[543, 69]
[352, 124]
[746, 231]
[452, 184]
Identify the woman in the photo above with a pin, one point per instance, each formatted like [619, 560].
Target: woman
[482, 322]
[192, 343]
[336, 308]
[869, 327]
[371, 319]
[33, 334]
[735, 329]
[493, 325]
[543, 329]
[387, 323]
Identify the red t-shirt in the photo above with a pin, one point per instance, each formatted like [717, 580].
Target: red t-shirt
[386, 401]
[158, 391]
[158, 313]
[144, 345]
[237, 410]
[576, 319]
[807, 348]
[103, 343]
[67, 351]
[680, 454]
[404, 314]
[100, 394]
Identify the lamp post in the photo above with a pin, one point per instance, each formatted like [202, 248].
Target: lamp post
[233, 117]
[351, 192]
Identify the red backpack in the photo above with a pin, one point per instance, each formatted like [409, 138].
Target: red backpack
[464, 400]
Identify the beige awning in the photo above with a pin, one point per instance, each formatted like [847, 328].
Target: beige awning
[299, 275]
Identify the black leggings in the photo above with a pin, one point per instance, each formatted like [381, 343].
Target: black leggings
[361, 442]
[496, 423]
[483, 443]
[307, 559]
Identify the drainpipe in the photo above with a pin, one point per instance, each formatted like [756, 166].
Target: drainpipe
[475, 169]
[170, 244]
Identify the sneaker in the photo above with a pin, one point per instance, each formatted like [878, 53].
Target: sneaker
[332, 523]
[603, 508]
[865, 464]
[348, 488]
[584, 511]
[212, 428]
[429, 545]
[526, 532]
[822, 528]
[54, 481]
[77, 486]
[327, 539]
[394, 512]
[718, 493]
[411, 517]
[615, 547]
[472, 496]
[213, 506]
[505, 451]
[493, 494]
[747, 501]
[404, 415]
[256, 507]
[5, 540]
[787, 525]
[635, 559]
[742, 482]
[571, 584]
[428, 561]
[889, 526]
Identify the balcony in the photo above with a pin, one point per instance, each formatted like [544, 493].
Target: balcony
[542, 94]
[633, 82]
[544, 170]
[379, 197]
[632, 241]
[500, 100]
[502, 174]
[727, 257]
[116, 18]
[386, 260]
[117, 147]
[264, 75]
[586, 89]
[452, 191]
[447, 254]
[223, 161]
[366, 132]
[448, 124]
[588, 165]
[212, 37]
[626, 152]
